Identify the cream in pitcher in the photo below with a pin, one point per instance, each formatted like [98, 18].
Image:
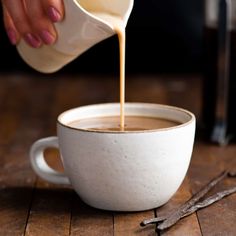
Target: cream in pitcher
[86, 23]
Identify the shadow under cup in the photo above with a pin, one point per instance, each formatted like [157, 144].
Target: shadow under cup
[121, 171]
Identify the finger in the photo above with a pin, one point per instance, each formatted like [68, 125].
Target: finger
[39, 21]
[54, 9]
[18, 15]
[10, 28]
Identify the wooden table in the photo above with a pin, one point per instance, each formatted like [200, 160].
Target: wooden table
[29, 105]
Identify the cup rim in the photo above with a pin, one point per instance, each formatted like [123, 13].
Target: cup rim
[192, 117]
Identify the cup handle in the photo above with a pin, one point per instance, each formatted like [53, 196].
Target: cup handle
[39, 164]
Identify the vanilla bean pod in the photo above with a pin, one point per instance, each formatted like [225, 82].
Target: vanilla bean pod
[175, 216]
[153, 220]
[208, 201]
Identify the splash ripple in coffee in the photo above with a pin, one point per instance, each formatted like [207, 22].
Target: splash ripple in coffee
[132, 123]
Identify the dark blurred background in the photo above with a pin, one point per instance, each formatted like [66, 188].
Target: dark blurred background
[162, 37]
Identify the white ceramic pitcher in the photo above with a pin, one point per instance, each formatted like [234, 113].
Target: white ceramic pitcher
[79, 31]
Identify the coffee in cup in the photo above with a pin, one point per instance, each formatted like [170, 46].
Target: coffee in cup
[132, 123]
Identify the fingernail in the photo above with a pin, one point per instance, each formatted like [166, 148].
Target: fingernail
[12, 36]
[54, 14]
[47, 37]
[32, 40]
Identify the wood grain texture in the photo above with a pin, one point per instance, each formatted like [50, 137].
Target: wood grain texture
[129, 224]
[29, 106]
[86, 220]
[50, 210]
[208, 161]
[16, 176]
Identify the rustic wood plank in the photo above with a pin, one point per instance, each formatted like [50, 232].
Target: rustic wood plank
[208, 161]
[14, 198]
[3, 90]
[143, 88]
[16, 176]
[3, 97]
[185, 92]
[10, 108]
[129, 224]
[50, 211]
[85, 90]
[14, 210]
[86, 220]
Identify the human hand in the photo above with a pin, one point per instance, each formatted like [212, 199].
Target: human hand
[32, 20]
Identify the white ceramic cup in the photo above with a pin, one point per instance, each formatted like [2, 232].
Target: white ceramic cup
[120, 171]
